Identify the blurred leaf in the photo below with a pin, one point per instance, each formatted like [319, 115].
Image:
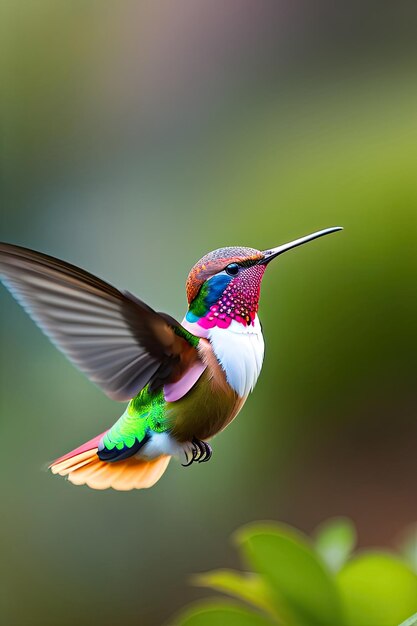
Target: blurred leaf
[377, 589]
[248, 587]
[303, 590]
[221, 614]
[335, 540]
[408, 546]
[411, 621]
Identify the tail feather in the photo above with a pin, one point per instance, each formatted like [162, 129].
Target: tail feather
[70, 465]
[83, 467]
[86, 447]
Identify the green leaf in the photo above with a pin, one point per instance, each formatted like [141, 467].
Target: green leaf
[411, 621]
[408, 546]
[377, 589]
[221, 614]
[246, 586]
[335, 540]
[304, 592]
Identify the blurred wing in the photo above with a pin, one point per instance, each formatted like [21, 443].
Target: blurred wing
[119, 342]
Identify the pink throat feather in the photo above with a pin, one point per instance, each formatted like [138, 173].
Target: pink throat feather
[239, 301]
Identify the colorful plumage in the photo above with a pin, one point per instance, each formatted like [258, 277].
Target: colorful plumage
[184, 382]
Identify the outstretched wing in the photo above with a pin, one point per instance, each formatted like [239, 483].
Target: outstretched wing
[117, 340]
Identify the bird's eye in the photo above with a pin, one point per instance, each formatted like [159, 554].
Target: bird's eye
[232, 269]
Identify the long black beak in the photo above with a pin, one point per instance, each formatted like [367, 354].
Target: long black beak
[271, 254]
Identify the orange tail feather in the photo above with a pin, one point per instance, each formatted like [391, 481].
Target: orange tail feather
[83, 467]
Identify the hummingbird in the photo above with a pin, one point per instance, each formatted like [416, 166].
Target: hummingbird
[183, 382]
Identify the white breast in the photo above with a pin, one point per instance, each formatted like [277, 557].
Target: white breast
[240, 351]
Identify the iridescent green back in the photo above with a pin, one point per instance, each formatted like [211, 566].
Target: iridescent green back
[144, 414]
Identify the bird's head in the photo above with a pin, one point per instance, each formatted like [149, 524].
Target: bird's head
[224, 285]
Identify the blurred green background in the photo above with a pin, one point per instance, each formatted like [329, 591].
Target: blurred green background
[136, 136]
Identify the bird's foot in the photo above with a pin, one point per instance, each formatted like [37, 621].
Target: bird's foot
[199, 452]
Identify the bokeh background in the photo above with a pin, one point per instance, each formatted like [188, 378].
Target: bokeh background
[136, 136]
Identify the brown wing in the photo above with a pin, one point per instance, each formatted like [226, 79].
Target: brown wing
[117, 340]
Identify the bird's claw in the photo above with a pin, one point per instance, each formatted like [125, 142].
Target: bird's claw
[201, 452]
